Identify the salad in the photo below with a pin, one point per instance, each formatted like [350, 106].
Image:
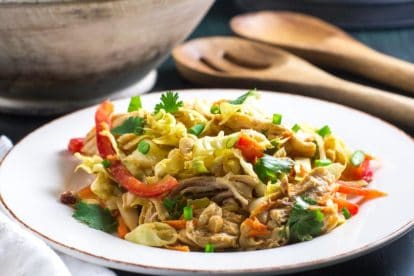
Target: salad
[221, 176]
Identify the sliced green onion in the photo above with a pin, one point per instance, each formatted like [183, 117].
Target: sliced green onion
[106, 163]
[302, 203]
[276, 142]
[322, 162]
[196, 129]
[319, 216]
[209, 248]
[346, 213]
[324, 131]
[134, 104]
[295, 128]
[231, 142]
[188, 213]
[357, 158]
[309, 200]
[277, 119]
[143, 147]
[215, 109]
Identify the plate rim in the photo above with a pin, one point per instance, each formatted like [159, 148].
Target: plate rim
[136, 267]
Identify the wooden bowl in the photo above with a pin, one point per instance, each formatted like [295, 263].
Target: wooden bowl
[83, 49]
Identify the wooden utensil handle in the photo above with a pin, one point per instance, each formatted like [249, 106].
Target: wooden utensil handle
[394, 108]
[380, 67]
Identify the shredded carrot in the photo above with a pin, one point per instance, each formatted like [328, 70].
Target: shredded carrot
[352, 208]
[365, 192]
[178, 247]
[177, 224]
[122, 229]
[256, 227]
[86, 193]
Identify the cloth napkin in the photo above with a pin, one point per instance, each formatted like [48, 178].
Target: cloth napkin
[22, 253]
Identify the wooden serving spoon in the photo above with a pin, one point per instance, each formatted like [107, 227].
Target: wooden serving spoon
[231, 61]
[324, 44]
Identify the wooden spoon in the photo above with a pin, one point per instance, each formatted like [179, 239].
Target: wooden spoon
[230, 61]
[324, 44]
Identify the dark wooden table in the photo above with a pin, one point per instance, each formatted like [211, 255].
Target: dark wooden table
[395, 259]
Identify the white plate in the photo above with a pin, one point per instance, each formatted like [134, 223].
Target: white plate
[35, 172]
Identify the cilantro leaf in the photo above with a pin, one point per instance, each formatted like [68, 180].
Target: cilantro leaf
[175, 206]
[134, 104]
[169, 102]
[243, 98]
[131, 125]
[304, 224]
[269, 168]
[95, 217]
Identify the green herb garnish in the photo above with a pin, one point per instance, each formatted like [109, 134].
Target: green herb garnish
[95, 216]
[215, 109]
[277, 119]
[243, 98]
[134, 104]
[209, 248]
[169, 102]
[188, 213]
[196, 129]
[324, 131]
[133, 125]
[309, 200]
[322, 162]
[106, 163]
[295, 128]
[175, 206]
[143, 147]
[357, 158]
[304, 224]
[269, 168]
[346, 213]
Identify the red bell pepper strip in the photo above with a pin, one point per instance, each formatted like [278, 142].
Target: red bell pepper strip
[121, 174]
[363, 171]
[117, 170]
[365, 192]
[352, 208]
[103, 122]
[251, 150]
[75, 145]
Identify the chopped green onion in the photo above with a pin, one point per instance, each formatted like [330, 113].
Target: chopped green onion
[295, 128]
[231, 142]
[277, 119]
[324, 131]
[322, 162]
[134, 104]
[209, 248]
[143, 147]
[309, 200]
[243, 98]
[357, 158]
[106, 163]
[188, 213]
[196, 129]
[215, 109]
[346, 213]
[302, 203]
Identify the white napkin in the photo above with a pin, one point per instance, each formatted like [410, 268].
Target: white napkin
[22, 253]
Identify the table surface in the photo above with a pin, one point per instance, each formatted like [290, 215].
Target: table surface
[397, 258]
